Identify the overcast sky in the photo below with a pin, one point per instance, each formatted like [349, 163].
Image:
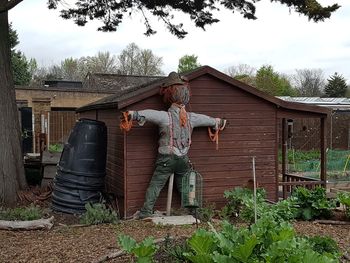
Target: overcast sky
[279, 37]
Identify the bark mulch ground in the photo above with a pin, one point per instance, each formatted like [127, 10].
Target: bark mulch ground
[68, 243]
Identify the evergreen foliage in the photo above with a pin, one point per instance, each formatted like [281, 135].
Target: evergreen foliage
[201, 12]
[21, 67]
[336, 86]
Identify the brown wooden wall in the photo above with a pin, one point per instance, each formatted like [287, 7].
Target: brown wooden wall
[251, 132]
[141, 153]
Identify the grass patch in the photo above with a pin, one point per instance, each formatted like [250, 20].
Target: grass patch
[21, 213]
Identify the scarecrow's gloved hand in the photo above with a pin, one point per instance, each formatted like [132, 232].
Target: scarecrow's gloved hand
[129, 114]
[220, 124]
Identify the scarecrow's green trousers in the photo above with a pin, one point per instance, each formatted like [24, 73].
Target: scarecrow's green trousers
[166, 165]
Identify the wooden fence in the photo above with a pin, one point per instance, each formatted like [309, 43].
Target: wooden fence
[306, 133]
[61, 124]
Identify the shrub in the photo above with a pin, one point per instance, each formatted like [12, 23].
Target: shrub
[313, 203]
[31, 212]
[344, 199]
[98, 214]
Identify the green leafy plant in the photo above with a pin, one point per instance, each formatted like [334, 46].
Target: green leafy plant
[344, 199]
[98, 214]
[143, 251]
[322, 244]
[268, 240]
[55, 147]
[241, 202]
[31, 212]
[207, 212]
[284, 210]
[312, 203]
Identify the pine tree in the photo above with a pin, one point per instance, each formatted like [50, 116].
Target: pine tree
[20, 64]
[336, 86]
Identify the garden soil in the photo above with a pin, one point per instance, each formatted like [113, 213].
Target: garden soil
[67, 242]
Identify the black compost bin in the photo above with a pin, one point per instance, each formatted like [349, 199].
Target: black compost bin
[82, 167]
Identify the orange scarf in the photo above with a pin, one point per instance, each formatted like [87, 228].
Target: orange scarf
[182, 114]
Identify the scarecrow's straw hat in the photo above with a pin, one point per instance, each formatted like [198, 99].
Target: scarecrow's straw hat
[174, 79]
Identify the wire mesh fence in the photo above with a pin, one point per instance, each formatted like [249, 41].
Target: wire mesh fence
[307, 163]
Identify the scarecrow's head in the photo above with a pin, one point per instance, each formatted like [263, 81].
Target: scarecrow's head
[175, 89]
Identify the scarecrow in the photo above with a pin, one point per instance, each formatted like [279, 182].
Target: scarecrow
[175, 129]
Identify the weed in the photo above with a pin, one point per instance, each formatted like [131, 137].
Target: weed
[226, 213]
[207, 212]
[98, 214]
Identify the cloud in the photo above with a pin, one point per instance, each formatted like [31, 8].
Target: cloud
[279, 37]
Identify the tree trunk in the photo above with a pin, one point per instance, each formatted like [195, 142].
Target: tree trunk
[11, 164]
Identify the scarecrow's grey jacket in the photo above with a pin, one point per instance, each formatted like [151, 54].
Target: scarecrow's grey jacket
[174, 138]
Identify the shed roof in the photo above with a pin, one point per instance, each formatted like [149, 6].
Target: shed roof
[96, 83]
[334, 103]
[115, 82]
[125, 97]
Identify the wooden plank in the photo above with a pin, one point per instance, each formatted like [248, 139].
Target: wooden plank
[133, 153]
[303, 183]
[323, 174]
[222, 108]
[234, 163]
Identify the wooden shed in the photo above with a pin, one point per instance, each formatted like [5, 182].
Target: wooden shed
[253, 116]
